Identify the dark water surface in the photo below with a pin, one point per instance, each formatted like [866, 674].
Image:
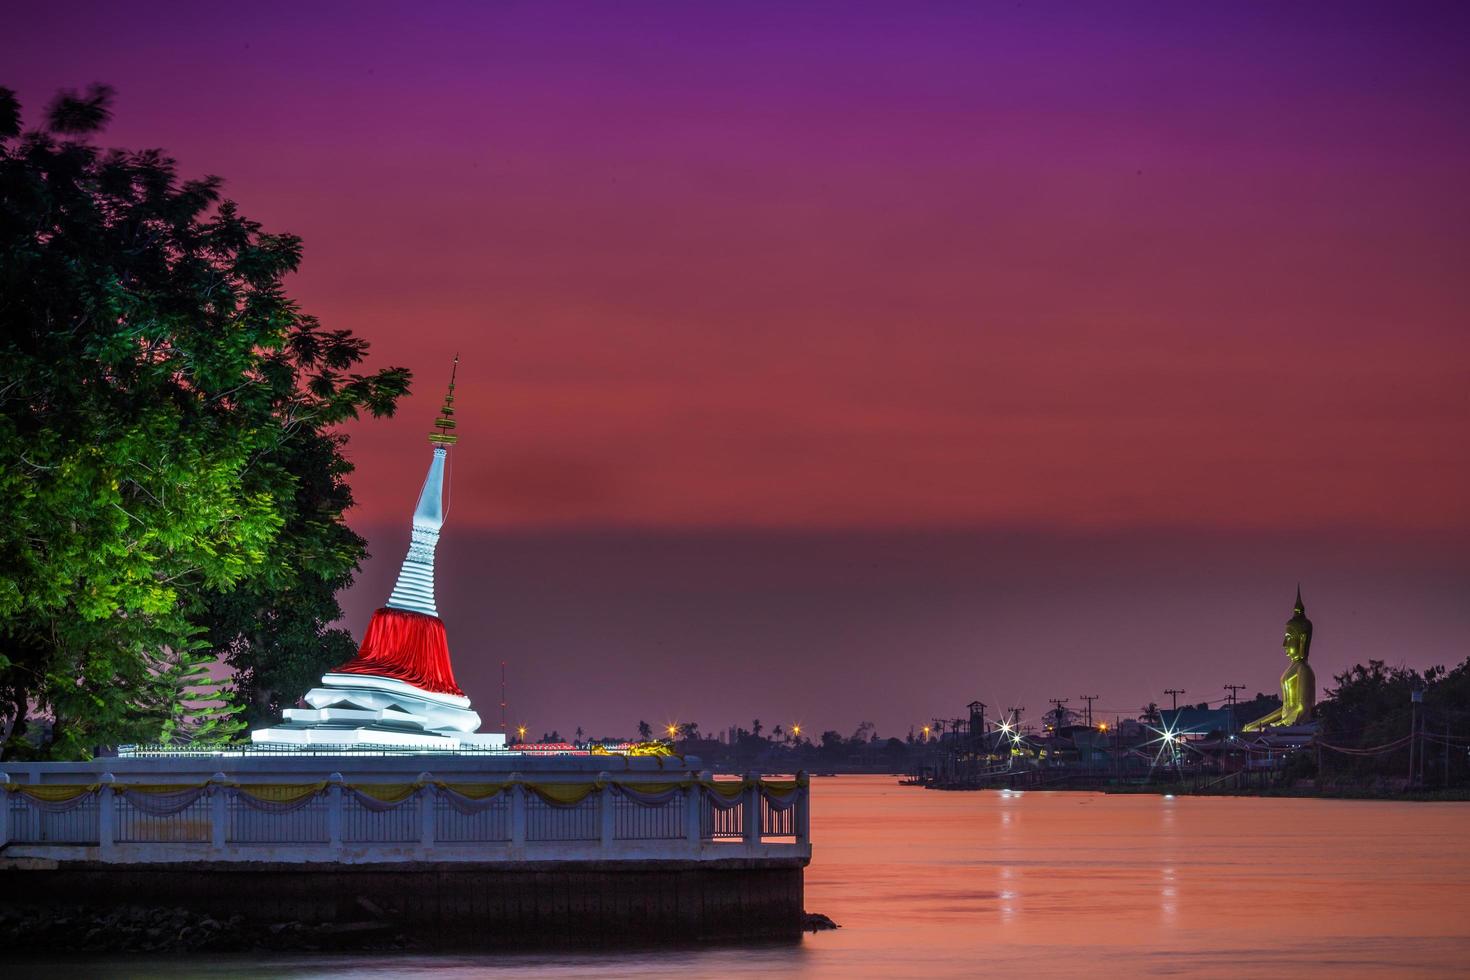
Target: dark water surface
[1066, 884]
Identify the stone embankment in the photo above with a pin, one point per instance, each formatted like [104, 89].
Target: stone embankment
[139, 929]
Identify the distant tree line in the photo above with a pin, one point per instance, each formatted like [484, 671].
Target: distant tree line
[1373, 712]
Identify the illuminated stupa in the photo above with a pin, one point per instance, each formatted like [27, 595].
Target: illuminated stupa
[399, 690]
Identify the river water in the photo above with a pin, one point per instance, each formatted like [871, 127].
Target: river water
[929, 884]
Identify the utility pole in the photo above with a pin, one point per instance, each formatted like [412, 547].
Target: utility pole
[1234, 689]
[1061, 711]
[1174, 692]
[1089, 698]
[1015, 714]
[502, 697]
[1416, 696]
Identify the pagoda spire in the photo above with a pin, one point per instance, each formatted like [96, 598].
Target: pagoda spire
[414, 590]
[445, 422]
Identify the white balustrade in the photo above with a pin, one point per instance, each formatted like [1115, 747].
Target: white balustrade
[428, 798]
[515, 817]
[334, 811]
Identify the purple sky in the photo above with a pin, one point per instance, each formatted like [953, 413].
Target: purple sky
[850, 362]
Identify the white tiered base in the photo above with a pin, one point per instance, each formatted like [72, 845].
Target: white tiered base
[356, 709]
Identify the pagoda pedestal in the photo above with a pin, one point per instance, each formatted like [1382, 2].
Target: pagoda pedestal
[364, 710]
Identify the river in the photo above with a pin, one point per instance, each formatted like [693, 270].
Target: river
[1068, 884]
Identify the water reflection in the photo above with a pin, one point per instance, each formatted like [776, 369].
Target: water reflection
[951, 884]
[1168, 894]
[1009, 892]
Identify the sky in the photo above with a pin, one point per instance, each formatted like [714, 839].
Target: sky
[850, 362]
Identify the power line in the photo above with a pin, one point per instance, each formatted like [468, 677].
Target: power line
[1175, 692]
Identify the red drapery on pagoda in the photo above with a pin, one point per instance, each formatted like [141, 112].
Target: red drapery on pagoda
[406, 646]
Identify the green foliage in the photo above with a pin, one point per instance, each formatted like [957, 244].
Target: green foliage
[1372, 707]
[187, 703]
[173, 486]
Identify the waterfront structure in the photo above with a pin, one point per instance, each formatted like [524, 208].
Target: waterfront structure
[447, 849]
[381, 802]
[399, 691]
[1298, 683]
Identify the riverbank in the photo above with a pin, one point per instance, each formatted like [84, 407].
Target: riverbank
[1458, 794]
[1453, 794]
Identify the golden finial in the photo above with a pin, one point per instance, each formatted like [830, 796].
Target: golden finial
[445, 421]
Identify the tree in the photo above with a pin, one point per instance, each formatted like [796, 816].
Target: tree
[645, 731]
[755, 728]
[172, 471]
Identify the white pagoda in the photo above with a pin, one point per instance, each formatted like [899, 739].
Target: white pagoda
[399, 691]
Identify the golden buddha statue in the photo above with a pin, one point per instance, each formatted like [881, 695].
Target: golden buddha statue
[1298, 684]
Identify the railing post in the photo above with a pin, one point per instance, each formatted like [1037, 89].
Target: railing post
[106, 815]
[693, 812]
[4, 809]
[219, 814]
[607, 812]
[334, 811]
[752, 809]
[428, 803]
[517, 811]
[803, 808]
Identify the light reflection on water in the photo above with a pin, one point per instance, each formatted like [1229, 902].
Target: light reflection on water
[957, 884]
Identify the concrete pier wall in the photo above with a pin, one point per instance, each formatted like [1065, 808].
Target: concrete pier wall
[451, 904]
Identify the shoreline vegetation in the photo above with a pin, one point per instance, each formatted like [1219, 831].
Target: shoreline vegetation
[1385, 793]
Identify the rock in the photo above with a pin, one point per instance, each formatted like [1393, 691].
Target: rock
[817, 922]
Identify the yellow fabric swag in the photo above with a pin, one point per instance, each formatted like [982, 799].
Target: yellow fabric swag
[475, 791]
[652, 789]
[567, 794]
[387, 792]
[280, 792]
[728, 788]
[53, 793]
